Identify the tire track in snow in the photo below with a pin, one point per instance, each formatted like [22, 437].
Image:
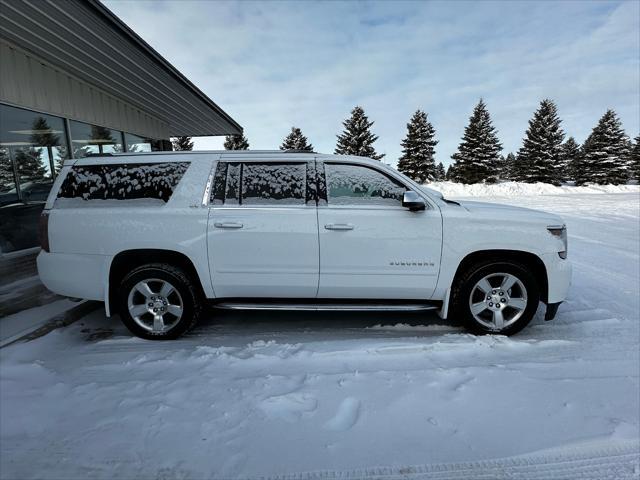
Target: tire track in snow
[619, 462]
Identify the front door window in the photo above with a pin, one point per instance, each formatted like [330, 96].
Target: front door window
[358, 185]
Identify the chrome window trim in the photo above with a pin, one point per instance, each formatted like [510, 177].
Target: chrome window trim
[206, 196]
[363, 207]
[207, 189]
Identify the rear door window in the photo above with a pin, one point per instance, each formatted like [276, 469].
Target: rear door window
[264, 184]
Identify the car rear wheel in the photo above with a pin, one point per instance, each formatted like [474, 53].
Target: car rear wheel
[496, 297]
[158, 302]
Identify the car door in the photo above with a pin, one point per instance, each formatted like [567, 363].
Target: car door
[370, 246]
[263, 229]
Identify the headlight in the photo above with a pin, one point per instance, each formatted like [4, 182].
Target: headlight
[560, 231]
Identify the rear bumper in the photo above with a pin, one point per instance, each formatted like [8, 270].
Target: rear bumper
[558, 277]
[80, 276]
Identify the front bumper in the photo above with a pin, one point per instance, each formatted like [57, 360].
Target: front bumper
[552, 309]
[558, 281]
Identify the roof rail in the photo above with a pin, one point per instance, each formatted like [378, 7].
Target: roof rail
[106, 154]
[298, 151]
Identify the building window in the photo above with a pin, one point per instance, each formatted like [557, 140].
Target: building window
[32, 149]
[136, 143]
[87, 139]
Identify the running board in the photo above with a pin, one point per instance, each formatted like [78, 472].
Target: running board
[328, 306]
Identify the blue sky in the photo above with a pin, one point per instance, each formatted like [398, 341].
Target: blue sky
[272, 65]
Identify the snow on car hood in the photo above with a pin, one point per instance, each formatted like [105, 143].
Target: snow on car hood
[508, 211]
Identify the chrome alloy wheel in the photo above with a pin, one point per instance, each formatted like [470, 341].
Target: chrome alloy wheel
[155, 305]
[498, 300]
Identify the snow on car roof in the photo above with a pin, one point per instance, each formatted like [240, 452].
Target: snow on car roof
[265, 155]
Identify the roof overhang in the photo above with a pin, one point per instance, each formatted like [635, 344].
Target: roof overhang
[86, 39]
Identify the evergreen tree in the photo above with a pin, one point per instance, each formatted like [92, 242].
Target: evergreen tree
[606, 152]
[296, 141]
[478, 153]
[357, 139]
[520, 169]
[541, 152]
[43, 135]
[451, 174]
[182, 144]
[418, 149]
[508, 168]
[62, 155]
[30, 165]
[579, 169]
[6, 171]
[440, 173]
[634, 159]
[236, 142]
[570, 159]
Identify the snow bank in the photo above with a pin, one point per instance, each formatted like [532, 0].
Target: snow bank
[452, 189]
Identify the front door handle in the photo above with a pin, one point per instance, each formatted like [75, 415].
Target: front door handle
[339, 226]
[228, 225]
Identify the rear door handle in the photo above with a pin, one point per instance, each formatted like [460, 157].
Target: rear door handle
[339, 226]
[227, 225]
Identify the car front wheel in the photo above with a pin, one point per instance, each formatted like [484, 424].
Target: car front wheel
[158, 301]
[496, 297]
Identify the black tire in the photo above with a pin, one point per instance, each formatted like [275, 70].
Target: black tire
[191, 301]
[462, 291]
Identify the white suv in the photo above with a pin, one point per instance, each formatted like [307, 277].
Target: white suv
[155, 235]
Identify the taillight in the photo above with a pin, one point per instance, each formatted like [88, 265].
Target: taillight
[43, 230]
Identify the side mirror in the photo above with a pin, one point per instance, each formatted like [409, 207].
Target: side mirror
[413, 201]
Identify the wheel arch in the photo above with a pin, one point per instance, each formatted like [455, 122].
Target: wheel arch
[127, 260]
[530, 260]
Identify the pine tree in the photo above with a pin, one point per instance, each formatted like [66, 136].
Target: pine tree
[570, 159]
[43, 135]
[357, 139]
[507, 170]
[478, 153]
[296, 141]
[6, 171]
[62, 155]
[30, 165]
[451, 174]
[580, 172]
[182, 144]
[634, 159]
[418, 149]
[236, 142]
[606, 151]
[540, 155]
[440, 173]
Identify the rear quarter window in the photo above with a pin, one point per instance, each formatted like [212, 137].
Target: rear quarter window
[145, 183]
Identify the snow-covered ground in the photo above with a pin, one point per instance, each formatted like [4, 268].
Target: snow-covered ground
[300, 395]
[453, 189]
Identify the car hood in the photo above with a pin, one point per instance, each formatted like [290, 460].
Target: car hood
[501, 212]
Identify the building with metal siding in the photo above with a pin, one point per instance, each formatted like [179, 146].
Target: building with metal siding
[75, 80]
